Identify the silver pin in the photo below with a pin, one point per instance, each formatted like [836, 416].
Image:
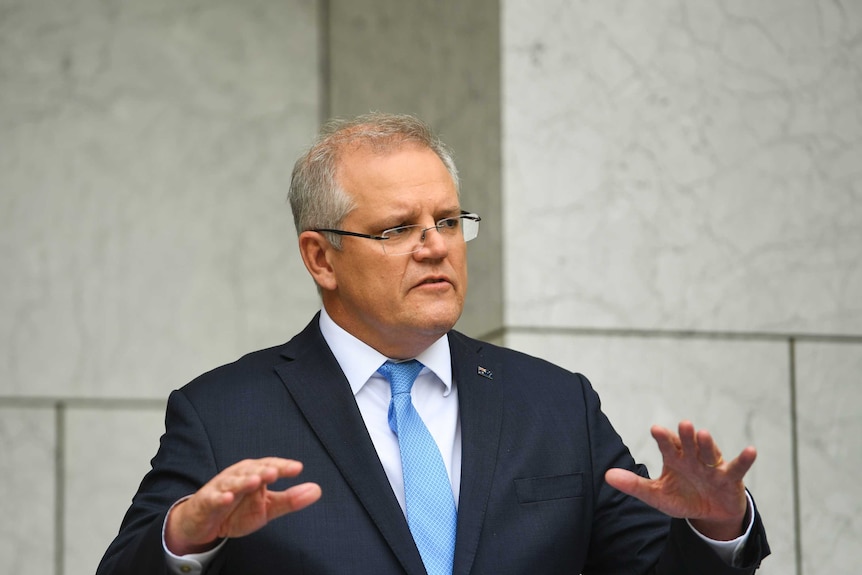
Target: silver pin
[484, 372]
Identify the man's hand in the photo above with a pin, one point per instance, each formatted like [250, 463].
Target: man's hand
[236, 502]
[696, 482]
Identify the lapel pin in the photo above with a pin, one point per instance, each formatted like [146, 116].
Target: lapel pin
[485, 372]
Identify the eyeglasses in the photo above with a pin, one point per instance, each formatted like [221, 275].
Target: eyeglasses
[410, 239]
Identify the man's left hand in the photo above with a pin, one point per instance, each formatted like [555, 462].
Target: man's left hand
[696, 482]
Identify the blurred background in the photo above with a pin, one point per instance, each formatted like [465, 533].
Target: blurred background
[671, 196]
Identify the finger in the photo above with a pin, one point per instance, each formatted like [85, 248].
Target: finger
[248, 475]
[293, 499]
[688, 439]
[287, 467]
[229, 490]
[667, 441]
[708, 452]
[280, 466]
[737, 468]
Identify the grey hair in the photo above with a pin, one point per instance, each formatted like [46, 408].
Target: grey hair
[316, 198]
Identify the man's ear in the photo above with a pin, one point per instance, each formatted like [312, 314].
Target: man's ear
[314, 248]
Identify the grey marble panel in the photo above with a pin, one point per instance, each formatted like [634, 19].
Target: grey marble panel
[739, 390]
[108, 451]
[829, 391]
[147, 149]
[27, 497]
[683, 165]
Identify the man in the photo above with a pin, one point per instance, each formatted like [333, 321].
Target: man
[534, 478]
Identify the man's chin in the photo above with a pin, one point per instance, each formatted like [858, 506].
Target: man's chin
[438, 320]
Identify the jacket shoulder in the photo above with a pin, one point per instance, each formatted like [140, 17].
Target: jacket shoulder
[256, 366]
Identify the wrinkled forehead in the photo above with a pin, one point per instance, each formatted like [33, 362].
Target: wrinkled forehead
[364, 150]
[407, 180]
[381, 148]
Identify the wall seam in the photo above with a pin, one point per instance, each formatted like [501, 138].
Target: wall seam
[104, 403]
[673, 334]
[59, 486]
[324, 61]
[794, 459]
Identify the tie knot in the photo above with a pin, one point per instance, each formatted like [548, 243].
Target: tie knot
[401, 375]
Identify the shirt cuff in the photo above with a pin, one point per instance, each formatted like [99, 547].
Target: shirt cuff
[729, 551]
[191, 563]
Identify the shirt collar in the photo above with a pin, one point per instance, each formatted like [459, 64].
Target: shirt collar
[359, 361]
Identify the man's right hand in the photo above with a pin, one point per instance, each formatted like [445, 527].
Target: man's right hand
[236, 502]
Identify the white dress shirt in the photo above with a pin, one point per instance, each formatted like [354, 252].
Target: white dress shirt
[435, 397]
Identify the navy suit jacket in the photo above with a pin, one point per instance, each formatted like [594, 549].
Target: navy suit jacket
[533, 500]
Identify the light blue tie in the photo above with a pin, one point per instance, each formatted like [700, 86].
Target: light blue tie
[431, 512]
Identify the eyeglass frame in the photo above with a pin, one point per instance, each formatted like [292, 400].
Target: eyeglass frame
[463, 215]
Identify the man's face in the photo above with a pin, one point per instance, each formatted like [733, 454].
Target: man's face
[398, 304]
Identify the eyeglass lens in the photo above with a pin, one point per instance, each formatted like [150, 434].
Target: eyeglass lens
[409, 239]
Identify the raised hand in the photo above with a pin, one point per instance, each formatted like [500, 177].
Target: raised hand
[236, 502]
[695, 483]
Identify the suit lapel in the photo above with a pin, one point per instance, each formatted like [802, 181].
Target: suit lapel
[481, 416]
[318, 386]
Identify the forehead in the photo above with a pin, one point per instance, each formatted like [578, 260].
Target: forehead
[408, 172]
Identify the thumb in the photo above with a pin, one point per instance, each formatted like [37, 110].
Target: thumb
[626, 481]
[293, 499]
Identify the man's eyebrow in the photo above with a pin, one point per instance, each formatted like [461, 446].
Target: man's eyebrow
[409, 216]
[394, 219]
[453, 211]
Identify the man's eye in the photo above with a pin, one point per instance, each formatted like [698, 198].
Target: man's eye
[449, 223]
[399, 231]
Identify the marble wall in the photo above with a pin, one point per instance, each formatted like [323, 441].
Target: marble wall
[683, 215]
[672, 203]
[145, 151]
[830, 456]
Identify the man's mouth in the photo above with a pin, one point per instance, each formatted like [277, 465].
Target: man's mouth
[432, 281]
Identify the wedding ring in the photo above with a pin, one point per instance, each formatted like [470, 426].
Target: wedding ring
[717, 463]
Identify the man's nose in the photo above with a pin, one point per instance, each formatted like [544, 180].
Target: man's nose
[433, 241]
